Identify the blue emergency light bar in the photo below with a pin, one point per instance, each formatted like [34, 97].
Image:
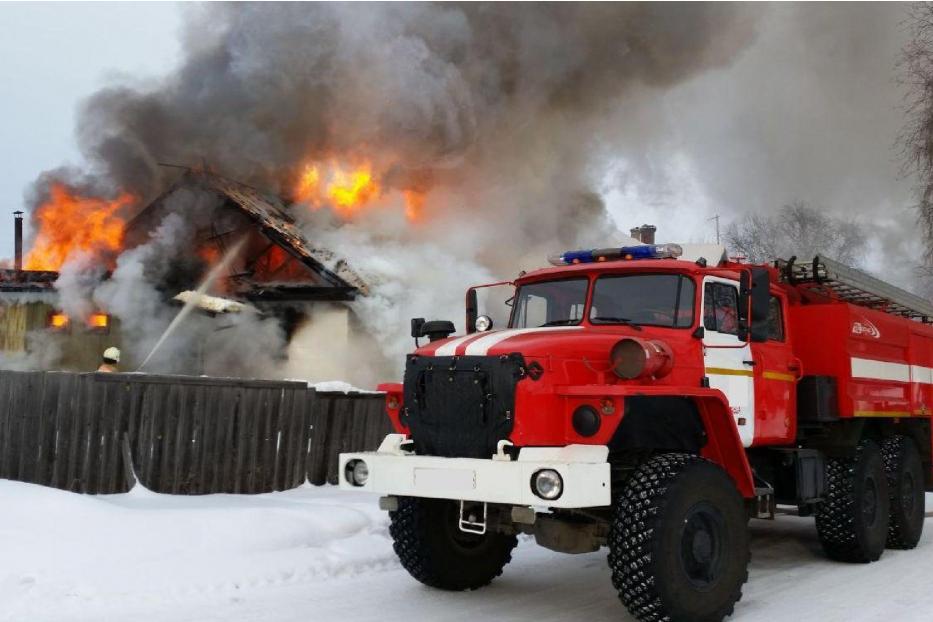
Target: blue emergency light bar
[644, 251]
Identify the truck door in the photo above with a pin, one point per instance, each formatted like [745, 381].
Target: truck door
[776, 373]
[728, 360]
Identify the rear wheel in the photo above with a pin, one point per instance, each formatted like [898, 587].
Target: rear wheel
[906, 485]
[678, 542]
[852, 521]
[432, 548]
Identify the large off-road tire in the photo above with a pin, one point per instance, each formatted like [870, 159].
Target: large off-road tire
[431, 547]
[678, 542]
[852, 521]
[906, 487]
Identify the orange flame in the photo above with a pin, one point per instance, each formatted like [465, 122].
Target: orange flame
[308, 188]
[414, 204]
[98, 321]
[69, 223]
[347, 192]
[59, 321]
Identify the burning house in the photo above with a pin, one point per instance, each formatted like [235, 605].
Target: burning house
[446, 157]
[34, 332]
[277, 265]
[271, 272]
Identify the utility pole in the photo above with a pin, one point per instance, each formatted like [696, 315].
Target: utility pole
[716, 218]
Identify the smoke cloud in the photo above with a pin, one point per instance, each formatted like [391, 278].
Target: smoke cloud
[513, 123]
[500, 117]
[431, 90]
[811, 112]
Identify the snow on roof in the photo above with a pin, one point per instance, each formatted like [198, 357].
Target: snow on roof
[714, 254]
[212, 304]
[333, 386]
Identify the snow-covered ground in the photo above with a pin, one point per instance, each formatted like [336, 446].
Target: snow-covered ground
[316, 554]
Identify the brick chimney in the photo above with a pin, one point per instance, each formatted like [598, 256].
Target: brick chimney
[18, 241]
[644, 233]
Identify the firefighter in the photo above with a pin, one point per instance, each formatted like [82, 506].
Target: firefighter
[111, 359]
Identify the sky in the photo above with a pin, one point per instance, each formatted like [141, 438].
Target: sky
[53, 56]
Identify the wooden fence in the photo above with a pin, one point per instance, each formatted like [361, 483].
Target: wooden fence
[342, 423]
[182, 435]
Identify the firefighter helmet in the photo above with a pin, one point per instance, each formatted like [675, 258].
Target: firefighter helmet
[112, 354]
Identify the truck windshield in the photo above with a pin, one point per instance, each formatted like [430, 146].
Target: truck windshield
[550, 303]
[643, 299]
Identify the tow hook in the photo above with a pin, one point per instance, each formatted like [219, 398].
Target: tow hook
[470, 521]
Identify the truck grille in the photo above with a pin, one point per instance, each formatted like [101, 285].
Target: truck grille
[461, 406]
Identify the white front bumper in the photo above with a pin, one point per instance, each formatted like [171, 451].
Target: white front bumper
[584, 470]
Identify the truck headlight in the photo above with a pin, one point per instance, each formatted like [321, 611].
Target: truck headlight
[547, 484]
[634, 358]
[483, 323]
[356, 473]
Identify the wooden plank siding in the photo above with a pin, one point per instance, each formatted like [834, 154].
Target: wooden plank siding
[185, 435]
[344, 422]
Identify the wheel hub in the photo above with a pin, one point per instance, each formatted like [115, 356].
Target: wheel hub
[702, 543]
[703, 547]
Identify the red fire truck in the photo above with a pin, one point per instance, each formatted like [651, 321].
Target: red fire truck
[652, 400]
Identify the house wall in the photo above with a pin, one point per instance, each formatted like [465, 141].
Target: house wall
[17, 319]
[82, 350]
[319, 349]
[24, 333]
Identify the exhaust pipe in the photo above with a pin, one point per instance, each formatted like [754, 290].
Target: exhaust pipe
[18, 241]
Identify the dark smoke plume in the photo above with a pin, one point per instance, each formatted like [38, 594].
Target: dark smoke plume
[433, 93]
[501, 114]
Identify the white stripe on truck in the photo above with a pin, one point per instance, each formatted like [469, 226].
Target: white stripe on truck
[450, 348]
[923, 375]
[481, 346]
[893, 372]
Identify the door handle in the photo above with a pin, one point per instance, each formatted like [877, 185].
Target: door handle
[749, 363]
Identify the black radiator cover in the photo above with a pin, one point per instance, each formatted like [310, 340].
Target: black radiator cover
[460, 406]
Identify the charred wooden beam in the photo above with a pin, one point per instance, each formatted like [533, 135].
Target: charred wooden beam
[300, 292]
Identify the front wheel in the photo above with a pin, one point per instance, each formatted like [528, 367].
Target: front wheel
[432, 548]
[678, 542]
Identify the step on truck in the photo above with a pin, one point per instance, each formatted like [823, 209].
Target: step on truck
[652, 400]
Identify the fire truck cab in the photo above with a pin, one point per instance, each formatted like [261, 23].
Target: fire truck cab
[652, 400]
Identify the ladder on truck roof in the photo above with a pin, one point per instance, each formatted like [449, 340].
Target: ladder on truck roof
[830, 278]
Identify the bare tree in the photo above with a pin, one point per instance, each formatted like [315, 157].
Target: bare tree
[916, 139]
[796, 229]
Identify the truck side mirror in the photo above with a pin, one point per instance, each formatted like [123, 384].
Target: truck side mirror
[472, 308]
[433, 330]
[755, 292]
[416, 324]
